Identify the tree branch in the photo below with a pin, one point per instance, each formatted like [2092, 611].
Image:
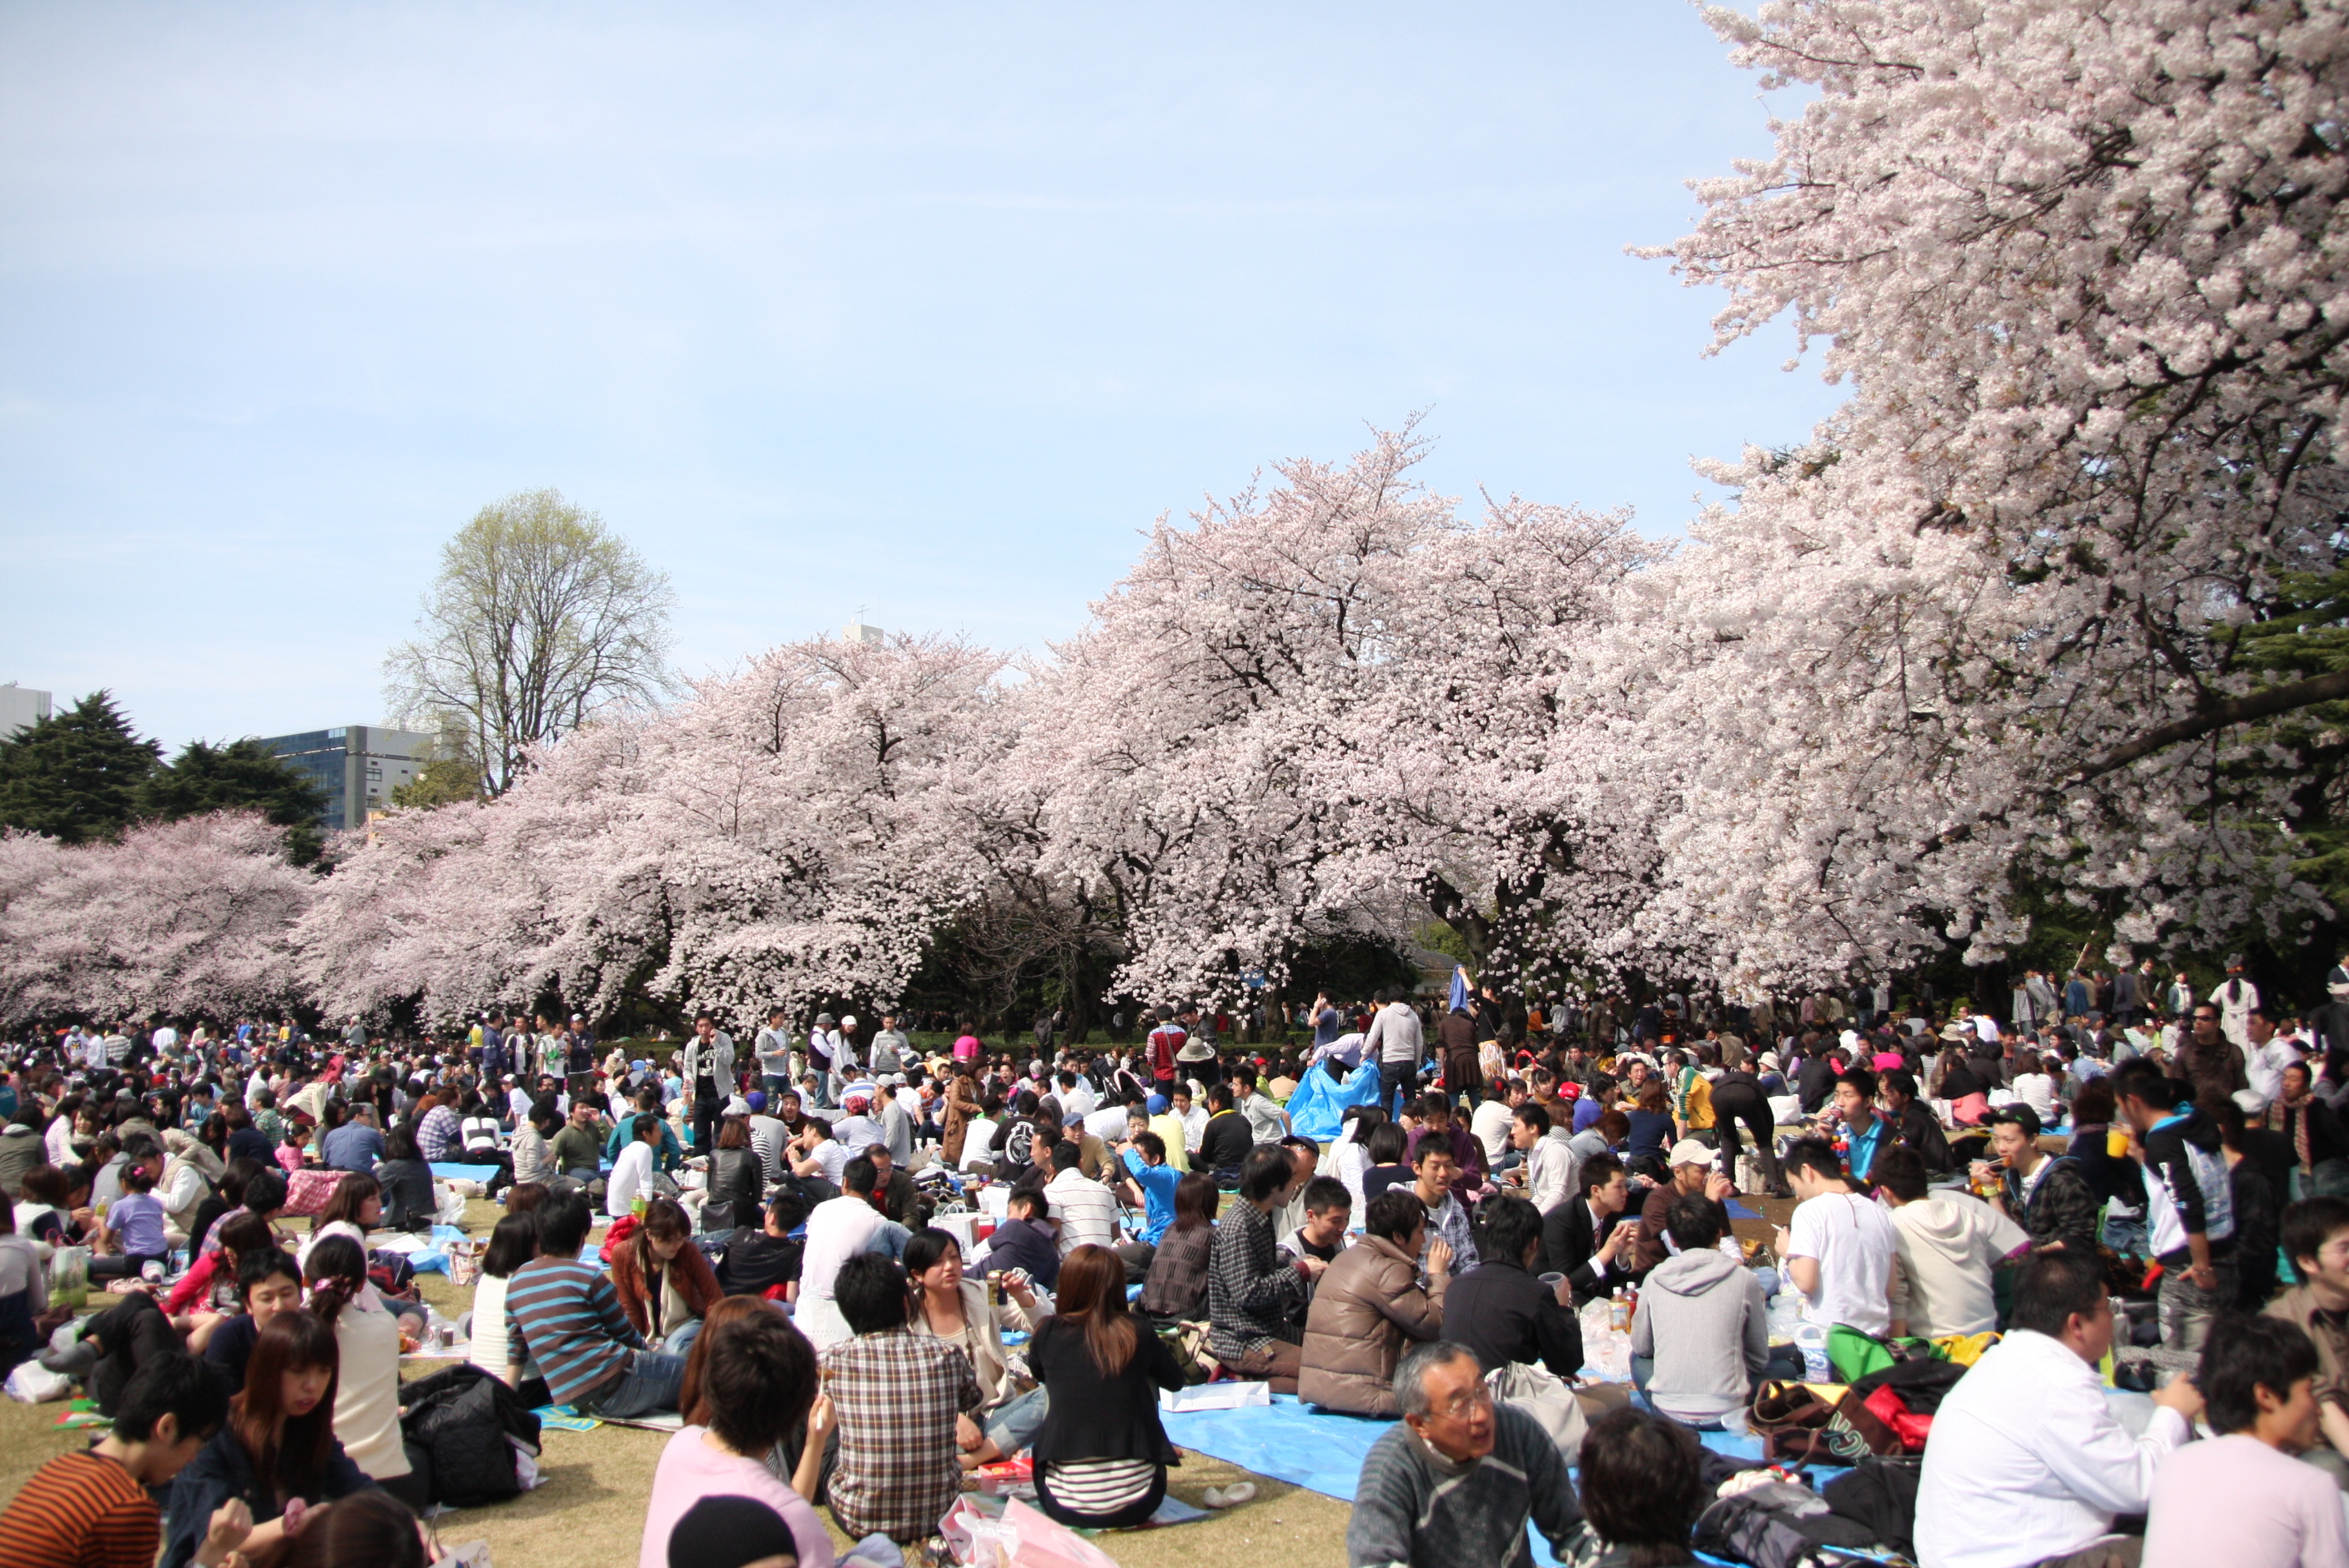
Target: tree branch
[2262, 704]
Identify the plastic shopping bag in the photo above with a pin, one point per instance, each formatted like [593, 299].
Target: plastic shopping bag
[1021, 1537]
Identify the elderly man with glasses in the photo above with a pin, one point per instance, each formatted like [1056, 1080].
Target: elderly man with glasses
[1459, 1477]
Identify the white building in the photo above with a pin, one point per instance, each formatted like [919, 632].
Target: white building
[21, 707]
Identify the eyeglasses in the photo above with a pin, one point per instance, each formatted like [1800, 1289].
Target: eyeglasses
[1460, 1407]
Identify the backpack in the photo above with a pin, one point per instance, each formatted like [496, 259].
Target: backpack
[468, 1425]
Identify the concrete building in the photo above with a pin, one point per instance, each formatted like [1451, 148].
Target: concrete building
[21, 707]
[358, 766]
[856, 631]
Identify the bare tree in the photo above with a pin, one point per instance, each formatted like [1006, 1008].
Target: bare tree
[539, 618]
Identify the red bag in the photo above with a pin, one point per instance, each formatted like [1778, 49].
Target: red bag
[1910, 1427]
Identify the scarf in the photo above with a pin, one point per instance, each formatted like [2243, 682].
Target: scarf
[2292, 1115]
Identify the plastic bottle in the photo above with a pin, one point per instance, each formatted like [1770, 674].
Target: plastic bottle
[1619, 1313]
[1812, 1341]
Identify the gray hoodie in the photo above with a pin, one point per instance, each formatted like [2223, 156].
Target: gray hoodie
[1704, 1321]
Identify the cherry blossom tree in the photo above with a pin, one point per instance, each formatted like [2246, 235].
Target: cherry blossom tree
[186, 917]
[2083, 266]
[787, 834]
[1330, 705]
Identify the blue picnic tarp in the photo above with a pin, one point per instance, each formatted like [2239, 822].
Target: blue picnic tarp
[1318, 1109]
[1323, 1451]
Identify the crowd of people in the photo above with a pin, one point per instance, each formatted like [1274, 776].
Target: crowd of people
[861, 1271]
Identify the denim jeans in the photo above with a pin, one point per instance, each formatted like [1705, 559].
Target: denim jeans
[1014, 1427]
[2187, 1310]
[679, 1340]
[646, 1388]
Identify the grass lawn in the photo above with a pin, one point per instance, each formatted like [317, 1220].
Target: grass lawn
[590, 1508]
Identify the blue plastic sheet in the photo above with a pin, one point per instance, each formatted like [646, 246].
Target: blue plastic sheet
[1323, 1451]
[1318, 1109]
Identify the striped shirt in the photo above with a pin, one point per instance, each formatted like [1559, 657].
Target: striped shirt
[1087, 1210]
[80, 1511]
[1099, 1487]
[566, 1317]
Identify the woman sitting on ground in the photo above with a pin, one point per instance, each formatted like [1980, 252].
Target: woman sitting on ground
[1369, 1308]
[1651, 1130]
[277, 1451]
[367, 1530]
[353, 1209]
[1102, 1454]
[512, 1243]
[750, 1382]
[1175, 1289]
[1385, 1146]
[664, 1284]
[950, 1307]
[366, 1394]
[737, 1182]
[1350, 1157]
[406, 1183]
[45, 1213]
[1642, 1488]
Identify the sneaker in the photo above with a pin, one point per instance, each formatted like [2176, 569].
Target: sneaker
[1231, 1496]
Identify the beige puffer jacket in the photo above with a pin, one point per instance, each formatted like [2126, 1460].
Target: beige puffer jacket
[1367, 1306]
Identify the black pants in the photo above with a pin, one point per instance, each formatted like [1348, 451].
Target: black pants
[1755, 1112]
[128, 1336]
[1393, 1077]
[705, 1115]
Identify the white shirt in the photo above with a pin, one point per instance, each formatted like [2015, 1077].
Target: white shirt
[1079, 1102]
[2027, 1461]
[1947, 1244]
[1087, 1210]
[1490, 1127]
[837, 1230]
[1853, 1241]
[632, 1173]
[977, 1134]
[1194, 1127]
[1108, 1124]
[488, 1342]
[1549, 1172]
[2264, 1066]
[2236, 998]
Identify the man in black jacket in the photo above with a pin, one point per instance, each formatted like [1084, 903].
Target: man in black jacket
[757, 1261]
[1225, 1143]
[1814, 1083]
[1499, 1310]
[1914, 1125]
[1589, 1238]
[2047, 1195]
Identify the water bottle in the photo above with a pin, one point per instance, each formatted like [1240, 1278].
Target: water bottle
[1812, 1341]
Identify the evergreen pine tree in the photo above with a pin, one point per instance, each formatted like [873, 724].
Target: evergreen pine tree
[241, 774]
[75, 775]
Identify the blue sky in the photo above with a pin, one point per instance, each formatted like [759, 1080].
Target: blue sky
[921, 310]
